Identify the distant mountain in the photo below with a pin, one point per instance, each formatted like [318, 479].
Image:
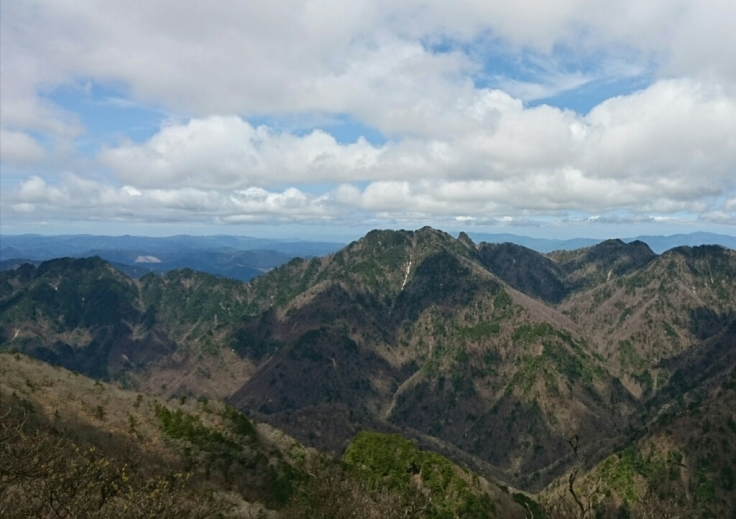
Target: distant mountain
[231, 263]
[237, 257]
[12, 264]
[658, 244]
[133, 271]
[34, 246]
[537, 244]
[488, 353]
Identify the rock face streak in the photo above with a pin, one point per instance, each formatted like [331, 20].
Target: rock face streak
[406, 277]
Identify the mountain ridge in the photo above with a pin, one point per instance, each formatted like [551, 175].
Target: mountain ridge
[658, 243]
[434, 337]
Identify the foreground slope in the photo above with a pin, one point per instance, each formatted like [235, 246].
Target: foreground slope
[101, 451]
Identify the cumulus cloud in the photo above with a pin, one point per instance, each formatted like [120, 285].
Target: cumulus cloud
[667, 148]
[19, 148]
[719, 217]
[286, 57]
[75, 196]
[227, 152]
[409, 69]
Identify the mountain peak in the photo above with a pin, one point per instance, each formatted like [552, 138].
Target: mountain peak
[465, 239]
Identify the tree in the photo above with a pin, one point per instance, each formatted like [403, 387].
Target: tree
[574, 502]
[333, 493]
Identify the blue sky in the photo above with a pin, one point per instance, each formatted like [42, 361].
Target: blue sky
[108, 113]
[560, 118]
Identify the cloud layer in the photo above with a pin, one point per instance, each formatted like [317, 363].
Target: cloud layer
[462, 143]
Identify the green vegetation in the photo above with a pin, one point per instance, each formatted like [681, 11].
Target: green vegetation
[184, 426]
[630, 358]
[502, 301]
[619, 472]
[241, 425]
[669, 330]
[568, 364]
[560, 353]
[216, 452]
[530, 332]
[480, 330]
[392, 462]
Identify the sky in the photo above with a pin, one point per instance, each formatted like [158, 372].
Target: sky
[317, 118]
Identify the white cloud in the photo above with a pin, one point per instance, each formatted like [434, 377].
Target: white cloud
[666, 148]
[454, 150]
[19, 148]
[229, 153]
[286, 57]
[74, 197]
[691, 38]
[720, 217]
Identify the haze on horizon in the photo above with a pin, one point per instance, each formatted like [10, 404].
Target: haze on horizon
[556, 119]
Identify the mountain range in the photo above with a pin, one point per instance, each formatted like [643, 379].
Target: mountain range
[657, 243]
[243, 257]
[236, 257]
[494, 355]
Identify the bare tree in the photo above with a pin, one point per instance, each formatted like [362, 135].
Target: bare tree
[44, 474]
[583, 500]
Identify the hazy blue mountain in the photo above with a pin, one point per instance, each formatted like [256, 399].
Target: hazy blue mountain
[538, 244]
[237, 257]
[242, 265]
[658, 244]
[12, 264]
[36, 246]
